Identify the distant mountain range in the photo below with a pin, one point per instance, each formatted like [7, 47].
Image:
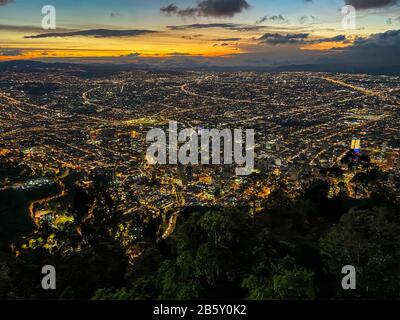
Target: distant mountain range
[98, 69]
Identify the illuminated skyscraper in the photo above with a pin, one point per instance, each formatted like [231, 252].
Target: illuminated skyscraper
[355, 145]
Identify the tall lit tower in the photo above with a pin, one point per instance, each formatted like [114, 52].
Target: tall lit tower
[355, 145]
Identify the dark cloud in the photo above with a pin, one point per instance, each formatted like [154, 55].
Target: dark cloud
[296, 38]
[132, 55]
[307, 19]
[97, 33]
[248, 28]
[221, 45]
[188, 12]
[386, 39]
[370, 4]
[222, 8]
[115, 14]
[226, 39]
[338, 38]
[209, 8]
[275, 18]
[203, 26]
[191, 37]
[10, 52]
[4, 2]
[230, 26]
[380, 50]
[169, 9]
[290, 38]
[261, 20]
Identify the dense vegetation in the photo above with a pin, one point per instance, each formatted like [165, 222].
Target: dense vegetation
[294, 248]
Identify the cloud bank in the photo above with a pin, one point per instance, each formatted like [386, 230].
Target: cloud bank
[371, 4]
[379, 50]
[229, 26]
[4, 2]
[97, 33]
[274, 18]
[209, 8]
[296, 38]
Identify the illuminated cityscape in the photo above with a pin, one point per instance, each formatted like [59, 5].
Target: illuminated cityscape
[79, 194]
[303, 122]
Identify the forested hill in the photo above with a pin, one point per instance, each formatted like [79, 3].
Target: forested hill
[293, 248]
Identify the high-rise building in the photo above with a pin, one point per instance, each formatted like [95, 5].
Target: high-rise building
[355, 145]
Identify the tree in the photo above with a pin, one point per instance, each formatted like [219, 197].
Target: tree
[288, 280]
[369, 240]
